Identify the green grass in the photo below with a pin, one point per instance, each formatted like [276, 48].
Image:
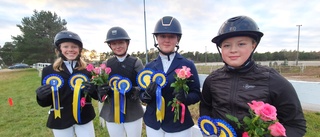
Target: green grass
[26, 118]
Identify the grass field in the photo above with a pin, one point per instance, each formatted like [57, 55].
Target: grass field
[26, 118]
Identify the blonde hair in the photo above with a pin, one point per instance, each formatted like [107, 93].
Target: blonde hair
[57, 65]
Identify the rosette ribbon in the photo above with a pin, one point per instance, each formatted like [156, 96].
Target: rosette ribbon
[209, 126]
[144, 78]
[116, 98]
[226, 130]
[160, 79]
[75, 83]
[56, 82]
[124, 85]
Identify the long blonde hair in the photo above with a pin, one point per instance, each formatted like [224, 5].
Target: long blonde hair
[57, 65]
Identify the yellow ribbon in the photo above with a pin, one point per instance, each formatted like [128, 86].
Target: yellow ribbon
[162, 109]
[56, 109]
[116, 102]
[76, 102]
[160, 113]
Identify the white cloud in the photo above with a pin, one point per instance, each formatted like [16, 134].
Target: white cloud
[200, 20]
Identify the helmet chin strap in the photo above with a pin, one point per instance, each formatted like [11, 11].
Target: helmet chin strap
[65, 58]
[120, 55]
[164, 53]
[168, 54]
[247, 64]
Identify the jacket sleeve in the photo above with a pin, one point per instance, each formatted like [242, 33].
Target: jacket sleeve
[48, 101]
[289, 110]
[205, 103]
[194, 87]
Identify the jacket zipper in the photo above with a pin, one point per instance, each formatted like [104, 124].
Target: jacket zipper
[233, 94]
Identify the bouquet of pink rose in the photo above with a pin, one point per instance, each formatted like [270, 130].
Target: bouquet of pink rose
[100, 75]
[263, 121]
[179, 85]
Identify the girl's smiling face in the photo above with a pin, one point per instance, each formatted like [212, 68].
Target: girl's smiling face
[236, 50]
[167, 42]
[119, 47]
[70, 50]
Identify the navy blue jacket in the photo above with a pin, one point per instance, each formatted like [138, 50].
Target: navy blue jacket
[193, 97]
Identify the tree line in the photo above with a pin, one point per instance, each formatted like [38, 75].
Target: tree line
[198, 57]
[35, 44]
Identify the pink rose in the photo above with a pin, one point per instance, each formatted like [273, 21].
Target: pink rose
[103, 66]
[187, 71]
[268, 112]
[107, 70]
[277, 129]
[90, 67]
[83, 101]
[245, 134]
[183, 73]
[97, 70]
[177, 71]
[255, 106]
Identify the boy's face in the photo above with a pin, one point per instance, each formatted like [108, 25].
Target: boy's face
[236, 50]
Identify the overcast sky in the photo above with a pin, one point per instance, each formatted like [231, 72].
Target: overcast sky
[200, 21]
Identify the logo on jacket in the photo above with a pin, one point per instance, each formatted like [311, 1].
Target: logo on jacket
[247, 86]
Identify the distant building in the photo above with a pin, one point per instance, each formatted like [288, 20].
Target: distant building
[40, 65]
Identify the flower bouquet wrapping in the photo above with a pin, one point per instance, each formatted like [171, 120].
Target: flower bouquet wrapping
[180, 85]
[100, 76]
[263, 121]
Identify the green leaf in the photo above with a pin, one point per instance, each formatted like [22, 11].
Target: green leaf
[232, 118]
[173, 85]
[185, 87]
[169, 103]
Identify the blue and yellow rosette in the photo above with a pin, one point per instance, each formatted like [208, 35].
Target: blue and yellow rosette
[226, 130]
[116, 97]
[56, 82]
[159, 77]
[75, 83]
[144, 78]
[209, 126]
[124, 85]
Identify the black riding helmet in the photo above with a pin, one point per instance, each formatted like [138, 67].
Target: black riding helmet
[117, 33]
[67, 36]
[238, 26]
[167, 24]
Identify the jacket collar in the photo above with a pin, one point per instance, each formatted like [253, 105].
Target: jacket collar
[175, 63]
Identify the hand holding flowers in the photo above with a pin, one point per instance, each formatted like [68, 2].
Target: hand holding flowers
[181, 89]
[100, 76]
[263, 121]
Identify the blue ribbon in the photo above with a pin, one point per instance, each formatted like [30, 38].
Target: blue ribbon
[124, 85]
[158, 97]
[56, 82]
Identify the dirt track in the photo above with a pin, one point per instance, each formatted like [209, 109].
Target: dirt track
[310, 74]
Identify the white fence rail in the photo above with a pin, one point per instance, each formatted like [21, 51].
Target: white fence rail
[40, 66]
